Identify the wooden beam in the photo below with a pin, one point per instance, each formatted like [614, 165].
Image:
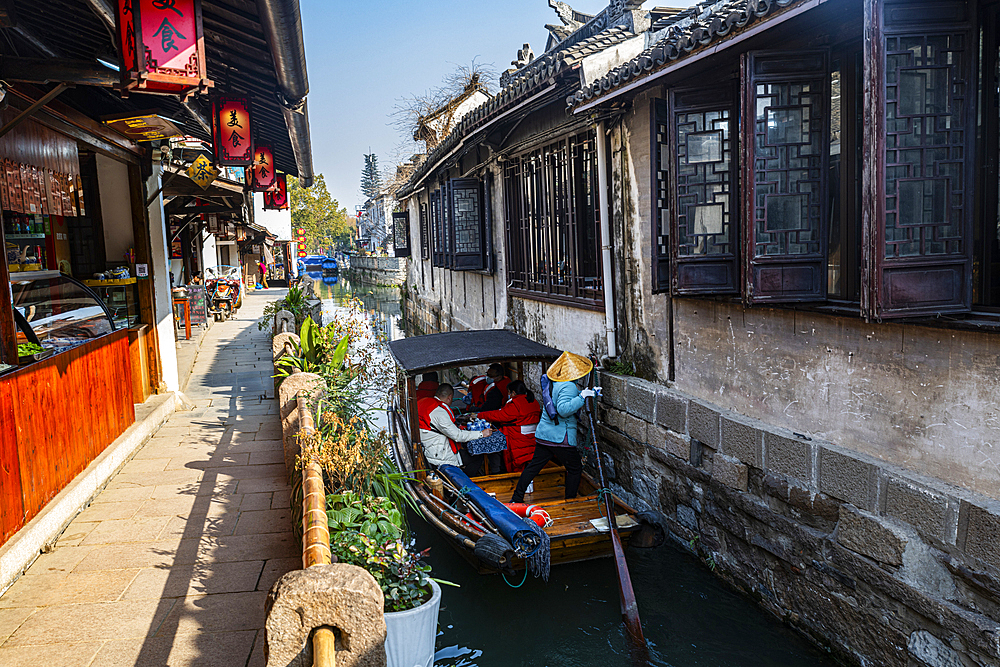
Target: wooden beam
[35, 106]
[144, 255]
[873, 160]
[211, 208]
[56, 70]
[8, 334]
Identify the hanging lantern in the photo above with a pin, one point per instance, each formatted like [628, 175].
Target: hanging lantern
[262, 174]
[231, 130]
[162, 46]
[276, 199]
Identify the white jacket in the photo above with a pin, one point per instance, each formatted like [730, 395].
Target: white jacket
[437, 449]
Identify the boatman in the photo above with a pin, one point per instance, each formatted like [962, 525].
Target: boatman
[438, 432]
[555, 436]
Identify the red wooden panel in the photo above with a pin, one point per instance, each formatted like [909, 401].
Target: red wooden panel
[11, 506]
[67, 410]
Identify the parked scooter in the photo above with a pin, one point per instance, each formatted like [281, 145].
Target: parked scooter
[225, 291]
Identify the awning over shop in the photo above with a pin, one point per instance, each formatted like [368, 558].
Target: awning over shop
[248, 50]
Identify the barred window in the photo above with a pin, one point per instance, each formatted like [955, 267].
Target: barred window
[551, 214]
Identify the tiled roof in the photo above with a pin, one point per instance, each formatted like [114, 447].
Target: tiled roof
[595, 44]
[565, 57]
[678, 36]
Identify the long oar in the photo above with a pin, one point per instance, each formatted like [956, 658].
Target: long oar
[630, 610]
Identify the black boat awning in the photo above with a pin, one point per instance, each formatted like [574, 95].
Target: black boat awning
[466, 348]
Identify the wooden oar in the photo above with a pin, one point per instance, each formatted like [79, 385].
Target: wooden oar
[630, 610]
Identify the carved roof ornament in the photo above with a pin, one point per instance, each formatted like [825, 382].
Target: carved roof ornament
[524, 56]
[571, 21]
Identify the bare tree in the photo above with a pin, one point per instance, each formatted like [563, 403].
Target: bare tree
[427, 117]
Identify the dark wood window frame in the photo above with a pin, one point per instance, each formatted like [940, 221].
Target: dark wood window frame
[551, 211]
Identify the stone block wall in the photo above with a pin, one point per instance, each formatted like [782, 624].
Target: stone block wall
[877, 564]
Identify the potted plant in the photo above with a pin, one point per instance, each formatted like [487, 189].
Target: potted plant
[369, 534]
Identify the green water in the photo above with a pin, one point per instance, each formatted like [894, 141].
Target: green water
[690, 617]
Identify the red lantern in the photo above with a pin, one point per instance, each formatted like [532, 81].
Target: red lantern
[231, 130]
[277, 197]
[262, 174]
[162, 46]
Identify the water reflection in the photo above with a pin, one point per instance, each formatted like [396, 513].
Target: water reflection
[690, 617]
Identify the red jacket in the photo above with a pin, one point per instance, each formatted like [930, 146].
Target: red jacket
[517, 420]
[425, 406]
[426, 389]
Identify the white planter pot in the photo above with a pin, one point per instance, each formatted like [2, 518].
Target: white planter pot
[410, 634]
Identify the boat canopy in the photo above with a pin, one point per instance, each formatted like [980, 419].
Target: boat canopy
[466, 348]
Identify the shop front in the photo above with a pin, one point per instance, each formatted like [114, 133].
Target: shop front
[76, 345]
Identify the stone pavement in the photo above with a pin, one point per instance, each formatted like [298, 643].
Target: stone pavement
[172, 562]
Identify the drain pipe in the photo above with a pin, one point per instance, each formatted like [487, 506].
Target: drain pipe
[604, 212]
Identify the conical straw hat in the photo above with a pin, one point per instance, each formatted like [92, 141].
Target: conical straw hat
[569, 367]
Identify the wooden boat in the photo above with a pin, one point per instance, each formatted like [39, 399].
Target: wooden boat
[573, 537]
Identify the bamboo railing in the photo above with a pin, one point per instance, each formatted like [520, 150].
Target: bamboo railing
[315, 534]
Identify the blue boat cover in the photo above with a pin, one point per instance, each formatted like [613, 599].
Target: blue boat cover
[529, 541]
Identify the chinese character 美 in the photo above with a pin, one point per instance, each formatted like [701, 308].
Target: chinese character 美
[233, 120]
[263, 159]
[167, 38]
[167, 4]
[235, 138]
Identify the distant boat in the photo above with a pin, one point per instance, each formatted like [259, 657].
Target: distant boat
[330, 267]
[314, 265]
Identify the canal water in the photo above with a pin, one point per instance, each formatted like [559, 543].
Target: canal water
[689, 617]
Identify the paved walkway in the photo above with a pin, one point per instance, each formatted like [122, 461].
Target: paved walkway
[171, 563]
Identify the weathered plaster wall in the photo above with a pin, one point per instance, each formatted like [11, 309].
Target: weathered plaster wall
[920, 397]
[642, 316]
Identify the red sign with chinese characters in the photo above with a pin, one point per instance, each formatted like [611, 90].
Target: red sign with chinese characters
[231, 130]
[262, 174]
[277, 197]
[162, 47]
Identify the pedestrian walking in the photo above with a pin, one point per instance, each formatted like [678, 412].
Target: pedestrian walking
[263, 273]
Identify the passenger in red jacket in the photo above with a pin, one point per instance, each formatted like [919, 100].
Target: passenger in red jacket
[517, 420]
[428, 385]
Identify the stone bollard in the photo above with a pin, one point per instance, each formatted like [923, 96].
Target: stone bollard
[288, 393]
[279, 342]
[284, 322]
[340, 596]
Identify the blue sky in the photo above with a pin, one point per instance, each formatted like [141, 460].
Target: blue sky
[363, 56]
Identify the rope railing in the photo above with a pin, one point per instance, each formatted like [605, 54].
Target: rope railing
[315, 533]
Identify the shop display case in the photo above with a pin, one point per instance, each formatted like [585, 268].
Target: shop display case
[56, 312]
[121, 297]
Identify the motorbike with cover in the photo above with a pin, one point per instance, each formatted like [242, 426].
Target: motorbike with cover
[225, 291]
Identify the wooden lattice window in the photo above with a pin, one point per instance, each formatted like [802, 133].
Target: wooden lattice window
[466, 213]
[923, 232]
[401, 233]
[661, 197]
[704, 198]
[425, 247]
[785, 161]
[553, 242]
[437, 227]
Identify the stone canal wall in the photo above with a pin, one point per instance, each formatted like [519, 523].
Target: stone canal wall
[881, 566]
[377, 270]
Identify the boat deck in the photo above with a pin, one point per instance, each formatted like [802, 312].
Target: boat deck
[573, 535]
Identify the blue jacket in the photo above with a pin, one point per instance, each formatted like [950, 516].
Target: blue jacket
[566, 397]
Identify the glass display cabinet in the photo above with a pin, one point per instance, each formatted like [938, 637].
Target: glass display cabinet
[121, 297]
[56, 312]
